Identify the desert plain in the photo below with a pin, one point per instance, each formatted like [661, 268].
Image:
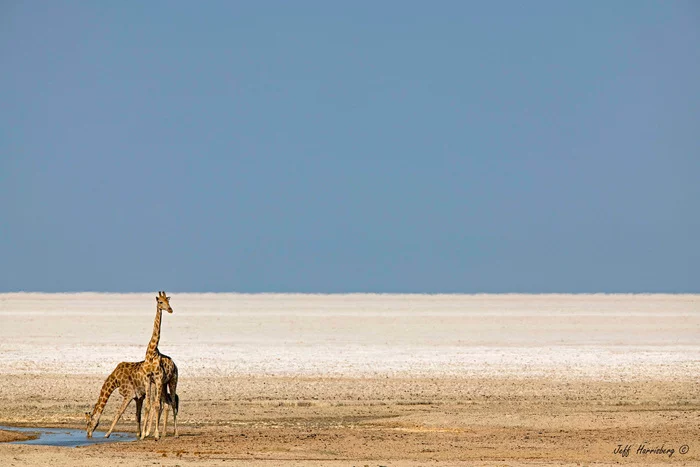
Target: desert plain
[366, 380]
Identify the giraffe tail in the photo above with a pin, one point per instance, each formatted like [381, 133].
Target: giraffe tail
[173, 400]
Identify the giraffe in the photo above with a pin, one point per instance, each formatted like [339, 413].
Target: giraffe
[151, 371]
[131, 386]
[169, 397]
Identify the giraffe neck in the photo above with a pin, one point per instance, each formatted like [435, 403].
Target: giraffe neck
[108, 388]
[152, 350]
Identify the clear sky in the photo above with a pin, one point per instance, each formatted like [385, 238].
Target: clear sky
[350, 146]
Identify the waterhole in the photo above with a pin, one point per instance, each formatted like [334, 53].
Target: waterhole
[67, 437]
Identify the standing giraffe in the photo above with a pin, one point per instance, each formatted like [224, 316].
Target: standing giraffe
[169, 397]
[152, 369]
[126, 376]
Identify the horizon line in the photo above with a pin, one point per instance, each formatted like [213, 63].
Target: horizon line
[85, 292]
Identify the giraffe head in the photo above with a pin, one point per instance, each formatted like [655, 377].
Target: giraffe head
[163, 302]
[90, 424]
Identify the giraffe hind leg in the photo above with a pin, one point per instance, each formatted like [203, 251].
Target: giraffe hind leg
[139, 405]
[164, 404]
[176, 409]
[174, 399]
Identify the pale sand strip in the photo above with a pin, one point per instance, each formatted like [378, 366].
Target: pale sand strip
[609, 337]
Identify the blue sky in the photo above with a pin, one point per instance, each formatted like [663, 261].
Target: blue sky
[350, 146]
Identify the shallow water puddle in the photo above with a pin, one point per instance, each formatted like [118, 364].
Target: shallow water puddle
[67, 437]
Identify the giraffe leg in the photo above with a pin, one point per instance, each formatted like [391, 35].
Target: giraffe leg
[139, 405]
[125, 404]
[147, 422]
[165, 404]
[153, 397]
[176, 409]
[174, 399]
[159, 401]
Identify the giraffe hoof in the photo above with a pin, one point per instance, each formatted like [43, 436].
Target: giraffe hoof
[107, 435]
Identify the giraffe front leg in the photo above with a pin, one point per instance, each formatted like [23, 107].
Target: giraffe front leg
[158, 399]
[121, 410]
[147, 425]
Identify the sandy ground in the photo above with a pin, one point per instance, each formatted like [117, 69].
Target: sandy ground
[7, 436]
[367, 379]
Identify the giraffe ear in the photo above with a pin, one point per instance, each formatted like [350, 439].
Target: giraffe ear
[168, 298]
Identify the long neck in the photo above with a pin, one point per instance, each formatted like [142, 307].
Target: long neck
[155, 338]
[108, 388]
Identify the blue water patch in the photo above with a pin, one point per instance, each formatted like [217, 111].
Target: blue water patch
[67, 437]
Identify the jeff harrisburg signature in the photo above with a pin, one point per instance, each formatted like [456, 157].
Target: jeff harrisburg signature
[649, 449]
